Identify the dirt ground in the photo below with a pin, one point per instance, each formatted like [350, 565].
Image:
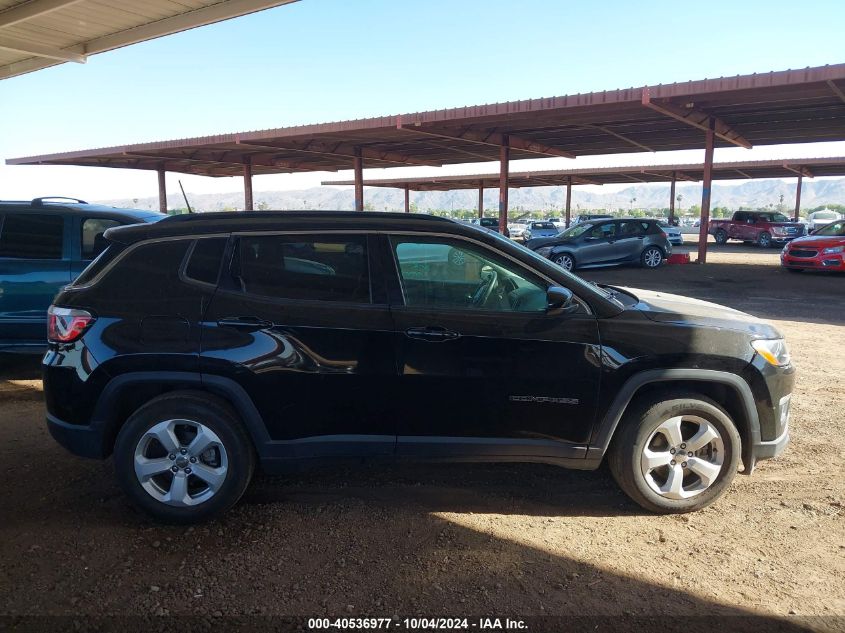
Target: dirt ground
[448, 540]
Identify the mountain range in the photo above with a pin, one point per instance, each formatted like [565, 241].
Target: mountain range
[754, 193]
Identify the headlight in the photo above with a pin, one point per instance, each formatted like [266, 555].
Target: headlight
[778, 230]
[833, 249]
[773, 350]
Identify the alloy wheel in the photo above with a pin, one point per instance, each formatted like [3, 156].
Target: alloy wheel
[683, 457]
[653, 257]
[564, 261]
[180, 462]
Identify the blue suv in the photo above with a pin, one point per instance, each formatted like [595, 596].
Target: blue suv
[44, 244]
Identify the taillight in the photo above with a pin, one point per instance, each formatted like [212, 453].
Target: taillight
[65, 325]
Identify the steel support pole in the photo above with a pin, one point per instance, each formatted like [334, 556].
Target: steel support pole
[480, 198]
[248, 186]
[798, 196]
[568, 201]
[407, 199]
[162, 192]
[709, 142]
[504, 178]
[358, 166]
[672, 200]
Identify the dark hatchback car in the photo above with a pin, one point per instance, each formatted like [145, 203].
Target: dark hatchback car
[44, 244]
[198, 347]
[606, 243]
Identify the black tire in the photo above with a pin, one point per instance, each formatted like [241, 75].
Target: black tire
[564, 260]
[721, 236]
[209, 411]
[652, 257]
[638, 425]
[764, 240]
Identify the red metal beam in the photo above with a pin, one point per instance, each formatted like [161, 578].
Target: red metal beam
[836, 90]
[491, 138]
[568, 201]
[162, 192]
[621, 137]
[342, 149]
[358, 166]
[407, 198]
[672, 200]
[697, 119]
[248, 185]
[480, 198]
[798, 196]
[504, 175]
[709, 144]
[801, 171]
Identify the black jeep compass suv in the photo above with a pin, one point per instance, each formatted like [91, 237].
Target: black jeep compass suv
[197, 347]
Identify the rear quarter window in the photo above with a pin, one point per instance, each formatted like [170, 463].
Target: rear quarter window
[32, 236]
[204, 260]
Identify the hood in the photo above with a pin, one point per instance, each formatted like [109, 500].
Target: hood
[817, 241]
[669, 308]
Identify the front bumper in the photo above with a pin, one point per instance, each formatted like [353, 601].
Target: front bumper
[834, 262]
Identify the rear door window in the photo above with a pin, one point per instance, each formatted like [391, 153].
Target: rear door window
[319, 268]
[93, 242]
[32, 236]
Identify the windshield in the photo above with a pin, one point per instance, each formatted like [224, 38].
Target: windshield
[544, 225]
[825, 215]
[576, 230]
[835, 229]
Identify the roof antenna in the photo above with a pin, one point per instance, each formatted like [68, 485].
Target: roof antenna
[187, 204]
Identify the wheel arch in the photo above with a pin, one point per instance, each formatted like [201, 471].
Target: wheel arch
[729, 390]
[125, 394]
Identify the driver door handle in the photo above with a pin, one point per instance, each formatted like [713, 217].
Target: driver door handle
[433, 334]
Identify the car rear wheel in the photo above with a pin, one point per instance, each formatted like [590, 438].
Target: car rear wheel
[721, 236]
[184, 457]
[675, 455]
[564, 260]
[764, 240]
[652, 257]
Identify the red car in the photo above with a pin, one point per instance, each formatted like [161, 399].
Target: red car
[822, 250]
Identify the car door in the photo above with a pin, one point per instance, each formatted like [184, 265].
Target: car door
[34, 266]
[740, 228]
[630, 239]
[487, 373]
[597, 246]
[298, 325]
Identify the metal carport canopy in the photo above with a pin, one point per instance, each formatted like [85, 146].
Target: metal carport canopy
[742, 170]
[791, 106]
[36, 34]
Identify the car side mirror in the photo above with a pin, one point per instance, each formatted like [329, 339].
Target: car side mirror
[560, 300]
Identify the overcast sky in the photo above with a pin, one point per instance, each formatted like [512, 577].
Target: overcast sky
[324, 60]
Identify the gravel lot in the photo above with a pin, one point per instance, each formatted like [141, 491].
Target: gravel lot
[441, 540]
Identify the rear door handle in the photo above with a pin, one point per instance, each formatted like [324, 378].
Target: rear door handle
[245, 323]
[432, 334]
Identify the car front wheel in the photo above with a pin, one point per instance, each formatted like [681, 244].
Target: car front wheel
[652, 257]
[184, 457]
[564, 260]
[764, 240]
[675, 455]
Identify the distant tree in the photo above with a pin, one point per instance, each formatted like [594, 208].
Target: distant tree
[263, 206]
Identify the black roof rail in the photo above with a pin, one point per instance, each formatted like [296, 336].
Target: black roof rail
[39, 202]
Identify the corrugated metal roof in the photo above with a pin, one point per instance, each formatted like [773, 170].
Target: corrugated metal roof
[39, 33]
[751, 169]
[792, 106]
